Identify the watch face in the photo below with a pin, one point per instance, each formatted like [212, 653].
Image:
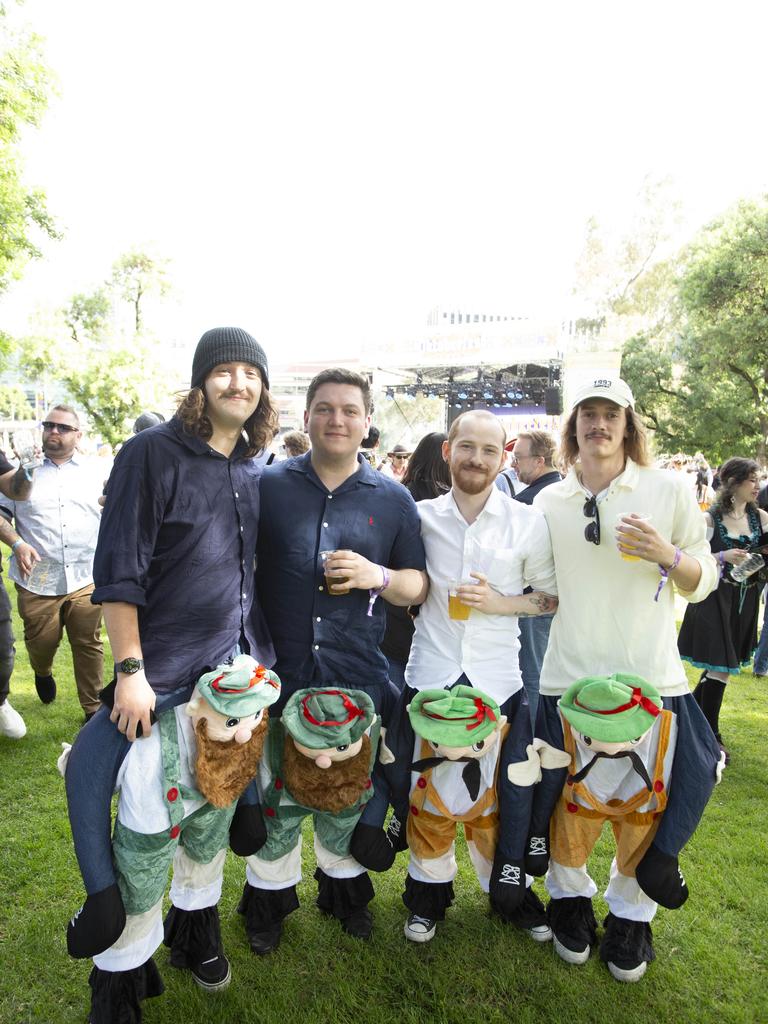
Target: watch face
[129, 665]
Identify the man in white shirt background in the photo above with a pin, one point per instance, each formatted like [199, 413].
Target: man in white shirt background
[493, 547]
[59, 526]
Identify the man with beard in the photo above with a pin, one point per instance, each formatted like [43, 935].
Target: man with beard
[174, 570]
[319, 761]
[178, 792]
[58, 526]
[482, 550]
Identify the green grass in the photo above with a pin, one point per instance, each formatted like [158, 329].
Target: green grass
[712, 953]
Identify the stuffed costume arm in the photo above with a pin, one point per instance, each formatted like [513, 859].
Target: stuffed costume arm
[517, 773]
[248, 830]
[91, 778]
[371, 845]
[549, 731]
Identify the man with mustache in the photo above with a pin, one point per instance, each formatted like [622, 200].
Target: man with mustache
[616, 567]
[174, 572]
[485, 548]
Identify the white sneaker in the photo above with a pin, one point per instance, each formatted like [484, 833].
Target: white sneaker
[419, 929]
[571, 956]
[11, 722]
[540, 932]
[628, 973]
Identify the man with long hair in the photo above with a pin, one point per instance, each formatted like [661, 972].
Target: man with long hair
[617, 615]
[174, 571]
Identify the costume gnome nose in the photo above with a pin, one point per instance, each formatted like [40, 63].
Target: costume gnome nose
[243, 734]
[323, 761]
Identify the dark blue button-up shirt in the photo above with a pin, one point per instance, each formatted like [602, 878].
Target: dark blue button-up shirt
[320, 638]
[178, 539]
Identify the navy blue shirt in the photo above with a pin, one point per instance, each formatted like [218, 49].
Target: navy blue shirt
[320, 638]
[178, 540]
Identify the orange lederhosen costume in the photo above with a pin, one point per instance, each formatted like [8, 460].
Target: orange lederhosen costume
[579, 816]
[431, 835]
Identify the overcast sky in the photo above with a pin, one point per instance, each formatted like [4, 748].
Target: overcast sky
[323, 174]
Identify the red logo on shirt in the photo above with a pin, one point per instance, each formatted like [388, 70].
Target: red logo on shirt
[370, 520]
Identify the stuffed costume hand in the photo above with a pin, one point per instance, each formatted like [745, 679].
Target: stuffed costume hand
[396, 833]
[248, 831]
[97, 925]
[659, 876]
[507, 884]
[537, 855]
[372, 847]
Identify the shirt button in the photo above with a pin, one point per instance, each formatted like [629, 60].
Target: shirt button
[241, 529]
[244, 596]
[236, 494]
[317, 647]
[318, 619]
[172, 794]
[325, 525]
[330, 497]
[174, 832]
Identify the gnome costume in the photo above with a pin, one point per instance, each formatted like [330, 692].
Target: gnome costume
[318, 761]
[621, 747]
[178, 795]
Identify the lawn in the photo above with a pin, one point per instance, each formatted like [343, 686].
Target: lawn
[711, 955]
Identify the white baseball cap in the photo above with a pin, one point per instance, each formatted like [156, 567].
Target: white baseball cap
[614, 389]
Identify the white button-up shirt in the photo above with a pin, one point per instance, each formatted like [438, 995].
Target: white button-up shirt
[61, 522]
[509, 542]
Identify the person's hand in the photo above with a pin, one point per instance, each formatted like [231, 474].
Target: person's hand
[481, 596]
[134, 699]
[26, 556]
[359, 572]
[735, 556]
[638, 537]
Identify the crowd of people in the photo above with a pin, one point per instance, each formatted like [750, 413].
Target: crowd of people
[462, 634]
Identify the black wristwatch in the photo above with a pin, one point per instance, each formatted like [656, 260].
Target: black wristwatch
[129, 666]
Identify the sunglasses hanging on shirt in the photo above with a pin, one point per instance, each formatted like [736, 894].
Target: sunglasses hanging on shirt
[592, 530]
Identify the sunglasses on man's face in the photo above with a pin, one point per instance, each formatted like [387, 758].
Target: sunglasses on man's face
[592, 530]
[63, 428]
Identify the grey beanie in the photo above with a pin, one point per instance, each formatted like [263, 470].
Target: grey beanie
[224, 345]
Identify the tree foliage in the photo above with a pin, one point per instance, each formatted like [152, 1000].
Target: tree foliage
[25, 83]
[111, 374]
[14, 404]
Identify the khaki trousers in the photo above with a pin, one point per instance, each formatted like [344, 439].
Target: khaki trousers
[46, 618]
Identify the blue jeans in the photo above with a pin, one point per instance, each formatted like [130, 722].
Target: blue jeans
[534, 637]
[760, 664]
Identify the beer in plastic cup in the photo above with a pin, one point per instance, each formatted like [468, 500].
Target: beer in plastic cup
[638, 516]
[456, 608]
[333, 580]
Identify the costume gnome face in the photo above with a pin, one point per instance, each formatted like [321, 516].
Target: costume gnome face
[327, 750]
[229, 712]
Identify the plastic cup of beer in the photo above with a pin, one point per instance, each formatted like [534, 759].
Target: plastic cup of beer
[643, 517]
[331, 578]
[456, 608]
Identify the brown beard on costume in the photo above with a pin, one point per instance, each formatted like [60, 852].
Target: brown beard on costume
[223, 770]
[326, 789]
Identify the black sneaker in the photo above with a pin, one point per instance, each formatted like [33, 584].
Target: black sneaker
[265, 942]
[419, 929]
[359, 924]
[627, 947]
[46, 688]
[574, 928]
[214, 974]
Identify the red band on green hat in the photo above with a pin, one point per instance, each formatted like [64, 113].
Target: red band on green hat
[353, 711]
[637, 698]
[482, 712]
[257, 677]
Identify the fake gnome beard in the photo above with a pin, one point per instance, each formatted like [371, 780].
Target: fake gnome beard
[223, 770]
[326, 789]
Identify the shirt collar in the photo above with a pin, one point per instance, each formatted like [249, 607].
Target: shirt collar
[197, 445]
[365, 473]
[627, 479]
[446, 505]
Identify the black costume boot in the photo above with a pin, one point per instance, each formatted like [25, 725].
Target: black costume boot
[116, 995]
[194, 939]
[264, 911]
[347, 900]
[627, 947]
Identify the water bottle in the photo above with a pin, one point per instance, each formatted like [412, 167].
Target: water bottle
[746, 568]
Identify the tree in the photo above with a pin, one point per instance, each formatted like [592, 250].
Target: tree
[135, 275]
[14, 404]
[24, 86]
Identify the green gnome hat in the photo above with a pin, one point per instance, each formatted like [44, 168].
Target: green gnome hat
[612, 709]
[453, 718]
[327, 718]
[243, 688]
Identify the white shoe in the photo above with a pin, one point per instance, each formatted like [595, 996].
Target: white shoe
[630, 974]
[11, 722]
[571, 956]
[419, 929]
[540, 932]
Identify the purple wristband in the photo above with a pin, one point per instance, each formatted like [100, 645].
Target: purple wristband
[373, 594]
[665, 572]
